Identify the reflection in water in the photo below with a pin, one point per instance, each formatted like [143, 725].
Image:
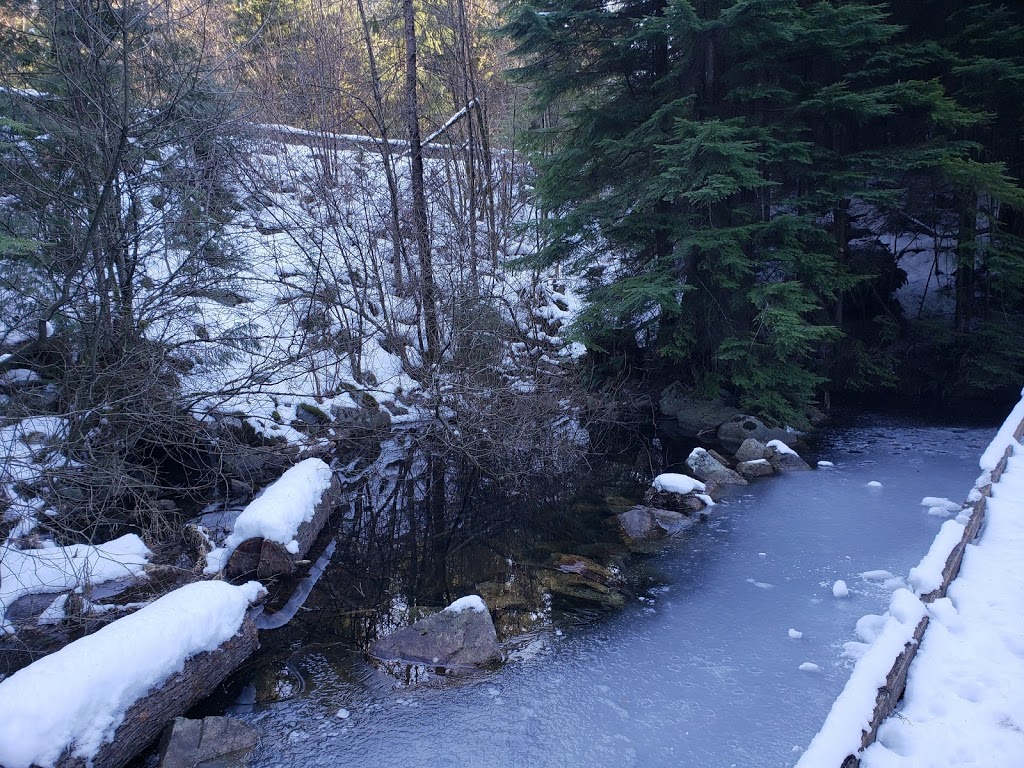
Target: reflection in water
[700, 669]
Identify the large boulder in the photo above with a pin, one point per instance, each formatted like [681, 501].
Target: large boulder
[750, 449]
[706, 467]
[694, 415]
[733, 432]
[224, 740]
[460, 636]
[784, 458]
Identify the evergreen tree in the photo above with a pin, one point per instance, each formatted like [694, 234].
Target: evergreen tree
[708, 168]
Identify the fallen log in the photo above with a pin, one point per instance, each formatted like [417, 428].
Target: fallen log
[146, 719]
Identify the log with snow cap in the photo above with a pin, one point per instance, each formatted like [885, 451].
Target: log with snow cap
[101, 699]
[277, 529]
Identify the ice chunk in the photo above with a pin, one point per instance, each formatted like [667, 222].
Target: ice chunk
[809, 666]
[874, 484]
[795, 634]
[936, 501]
[839, 589]
[826, 464]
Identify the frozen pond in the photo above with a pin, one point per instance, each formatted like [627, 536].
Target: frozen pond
[702, 671]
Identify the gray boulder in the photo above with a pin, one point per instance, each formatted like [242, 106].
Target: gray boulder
[460, 636]
[750, 450]
[707, 468]
[733, 432]
[785, 459]
[193, 742]
[755, 468]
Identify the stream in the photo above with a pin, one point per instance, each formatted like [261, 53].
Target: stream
[699, 670]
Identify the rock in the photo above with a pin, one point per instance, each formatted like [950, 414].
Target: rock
[784, 458]
[755, 468]
[370, 419]
[686, 504]
[739, 428]
[725, 462]
[704, 466]
[694, 415]
[460, 636]
[307, 413]
[642, 525]
[579, 579]
[750, 449]
[193, 742]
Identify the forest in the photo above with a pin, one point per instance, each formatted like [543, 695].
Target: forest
[231, 227]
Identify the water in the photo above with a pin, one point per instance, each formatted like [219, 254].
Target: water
[701, 671]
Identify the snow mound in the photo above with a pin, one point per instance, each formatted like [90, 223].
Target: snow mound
[277, 514]
[781, 447]
[473, 603]
[795, 634]
[809, 666]
[874, 484]
[826, 464]
[839, 589]
[76, 698]
[935, 501]
[672, 482]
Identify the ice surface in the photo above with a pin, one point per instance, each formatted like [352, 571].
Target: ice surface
[710, 679]
[77, 697]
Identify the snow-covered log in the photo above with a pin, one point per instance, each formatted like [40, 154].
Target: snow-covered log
[277, 529]
[102, 699]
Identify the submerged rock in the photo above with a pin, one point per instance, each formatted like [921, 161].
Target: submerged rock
[706, 467]
[200, 742]
[694, 415]
[643, 525]
[579, 579]
[460, 636]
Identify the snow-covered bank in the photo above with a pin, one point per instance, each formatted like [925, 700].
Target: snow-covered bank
[963, 703]
[59, 569]
[963, 656]
[76, 698]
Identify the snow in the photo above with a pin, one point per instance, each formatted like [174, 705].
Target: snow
[826, 464]
[781, 447]
[963, 704]
[1004, 437]
[473, 603]
[343, 714]
[795, 634]
[672, 482]
[927, 575]
[876, 575]
[809, 666]
[852, 711]
[60, 569]
[935, 501]
[874, 484]
[839, 589]
[77, 697]
[277, 514]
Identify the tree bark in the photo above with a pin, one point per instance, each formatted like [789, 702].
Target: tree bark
[428, 291]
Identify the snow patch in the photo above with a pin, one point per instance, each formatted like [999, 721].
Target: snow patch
[473, 603]
[926, 576]
[672, 482]
[839, 589]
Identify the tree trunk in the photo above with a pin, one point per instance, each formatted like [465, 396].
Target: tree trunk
[428, 292]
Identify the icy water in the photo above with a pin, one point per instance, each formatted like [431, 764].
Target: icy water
[701, 671]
